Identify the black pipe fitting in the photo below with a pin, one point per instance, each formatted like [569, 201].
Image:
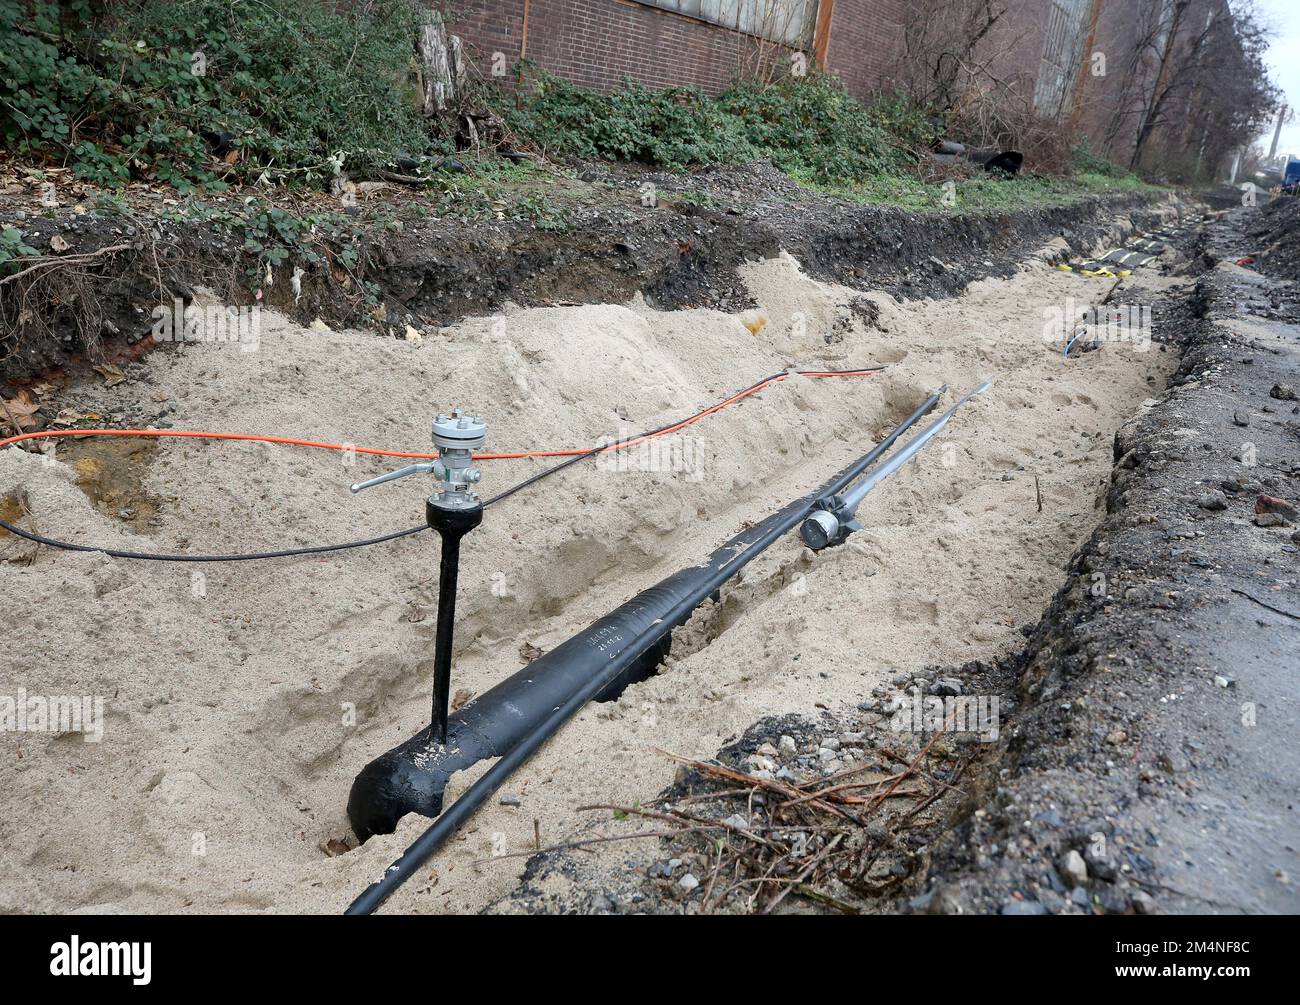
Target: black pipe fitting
[452, 524]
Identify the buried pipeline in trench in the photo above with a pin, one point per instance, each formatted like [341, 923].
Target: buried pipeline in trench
[954, 558]
[516, 717]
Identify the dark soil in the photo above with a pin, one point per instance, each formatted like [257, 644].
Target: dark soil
[1277, 236]
[601, 245]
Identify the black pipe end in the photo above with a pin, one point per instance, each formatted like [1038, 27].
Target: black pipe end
[827, 524]
[410, 778]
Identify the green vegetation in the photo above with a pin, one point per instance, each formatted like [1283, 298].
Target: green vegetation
[1088, 163]
[209, 90]
[808, 127]
[12, 248]
[205, 93]
[272, 235]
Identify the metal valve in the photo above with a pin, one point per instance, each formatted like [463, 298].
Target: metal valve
[457, 436]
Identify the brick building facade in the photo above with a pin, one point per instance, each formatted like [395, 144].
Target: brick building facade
[1042, 50]
[597, 43]
[861, 41]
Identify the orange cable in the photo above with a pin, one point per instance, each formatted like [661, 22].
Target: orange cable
[289, 441]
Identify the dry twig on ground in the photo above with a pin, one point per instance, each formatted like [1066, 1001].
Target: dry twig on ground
[801, 838]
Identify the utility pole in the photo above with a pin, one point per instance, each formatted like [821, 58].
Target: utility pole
[1085, 66]
[1277, 132]
[822, 32]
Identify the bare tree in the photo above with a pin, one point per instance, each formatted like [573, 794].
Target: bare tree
[943, 51]
[962, 62]
[1193, 78]
[1173, 67]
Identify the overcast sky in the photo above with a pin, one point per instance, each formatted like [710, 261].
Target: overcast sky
[1283, 17]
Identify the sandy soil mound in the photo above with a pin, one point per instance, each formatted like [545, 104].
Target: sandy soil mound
[240, 699]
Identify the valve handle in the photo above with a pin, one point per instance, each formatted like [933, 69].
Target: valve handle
[423, 468]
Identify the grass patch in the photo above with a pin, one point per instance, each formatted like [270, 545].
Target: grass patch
[979, 193]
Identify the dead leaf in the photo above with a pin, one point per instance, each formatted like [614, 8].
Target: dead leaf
[70, 417]
[21, 411]
[112, 374]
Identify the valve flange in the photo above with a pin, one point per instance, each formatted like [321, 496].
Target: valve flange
[457, 436]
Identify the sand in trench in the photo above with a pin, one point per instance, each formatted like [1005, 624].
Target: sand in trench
[240, 699]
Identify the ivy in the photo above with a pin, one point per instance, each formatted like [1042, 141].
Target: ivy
[206, 91]
[13, 247]
[807, 126]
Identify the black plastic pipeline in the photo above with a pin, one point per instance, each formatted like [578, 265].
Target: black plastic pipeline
[519, 715]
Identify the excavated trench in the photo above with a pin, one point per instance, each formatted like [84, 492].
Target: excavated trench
[241, 699]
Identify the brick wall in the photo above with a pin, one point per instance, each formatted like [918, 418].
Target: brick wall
[488, 26]
[597, 43]
[866, 41]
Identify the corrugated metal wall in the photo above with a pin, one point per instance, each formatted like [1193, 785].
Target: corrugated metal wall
[787, 21]
[1062, 50]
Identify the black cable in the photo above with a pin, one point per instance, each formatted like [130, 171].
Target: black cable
[327, 548]
[255, 556]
